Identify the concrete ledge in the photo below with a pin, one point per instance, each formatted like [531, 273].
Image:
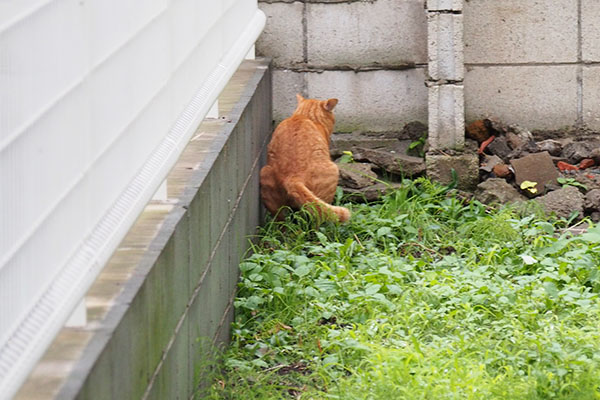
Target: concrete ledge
[164, 301]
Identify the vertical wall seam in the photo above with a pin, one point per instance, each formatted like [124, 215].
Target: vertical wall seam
[579, 121]
[304, 47]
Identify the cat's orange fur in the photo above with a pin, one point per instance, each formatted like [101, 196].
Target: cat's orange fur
[299, 170]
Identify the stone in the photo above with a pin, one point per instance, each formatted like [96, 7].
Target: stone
[576, 151]
[477, 130]
[391, 161]
[553, 147]
[369, 193]
[499, 147]
[497, 190]
[586, 163]
[563, 202]
[356, 175]
[341, 142]
[595, 155]
[502, 171]
[592, 200]
[466, 165]
[537, 168]
[413, 130]
[489, 162]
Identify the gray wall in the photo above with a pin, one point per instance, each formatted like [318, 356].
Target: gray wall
[164, 302]
[531, 62]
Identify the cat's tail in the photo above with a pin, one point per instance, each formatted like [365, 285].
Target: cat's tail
[301, 195]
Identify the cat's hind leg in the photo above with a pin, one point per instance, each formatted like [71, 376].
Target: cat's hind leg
[272, 195]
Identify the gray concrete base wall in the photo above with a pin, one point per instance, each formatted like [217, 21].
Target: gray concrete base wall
[533, 63]
[371, 55]
[164, 302]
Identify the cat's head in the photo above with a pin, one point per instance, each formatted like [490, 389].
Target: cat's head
[318, 110]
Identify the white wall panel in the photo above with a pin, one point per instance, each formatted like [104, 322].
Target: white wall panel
[97, 99]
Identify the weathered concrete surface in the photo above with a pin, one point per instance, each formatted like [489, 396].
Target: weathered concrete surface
[535, 97]
[445, 5]
[164, 301]
[385, 32]
[591, 95]
[387, 100]
[446, 117]
[445, 46]
[590, 30]
[517, 31]
[282, 38]
[286, 83]
[466, 165]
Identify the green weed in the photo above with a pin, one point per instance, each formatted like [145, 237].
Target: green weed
[419, 296]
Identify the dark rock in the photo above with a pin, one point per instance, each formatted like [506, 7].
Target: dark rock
[414, 130]
[357, 175]
[489, 162]
[595, 216]
[595, 155]
[577, 151]
[499, 147]
[496, 126]
[497, 190]
[537, 168]
[466, 165]
[563, 202]
[391, 161]
[369, 193]
[592, 200]
[553, 147]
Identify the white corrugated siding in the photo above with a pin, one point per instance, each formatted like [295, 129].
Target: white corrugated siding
[97, 99]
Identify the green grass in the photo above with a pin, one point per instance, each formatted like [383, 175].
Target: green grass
[420, 296]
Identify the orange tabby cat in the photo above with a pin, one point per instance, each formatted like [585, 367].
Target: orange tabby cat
[299, 169]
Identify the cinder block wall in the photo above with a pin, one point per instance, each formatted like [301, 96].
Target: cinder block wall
[536, 63]
[531, 62]
[371, 55]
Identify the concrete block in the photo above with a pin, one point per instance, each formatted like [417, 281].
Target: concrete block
[591, 97]
[534, 97]
[590, 30]
[387, 100]
[174, 377]
[286, 84]
[466, 165]
[282, 38]
[367, 33]
[446, 117]
[517, 31]
[444, 5]
[445, 44]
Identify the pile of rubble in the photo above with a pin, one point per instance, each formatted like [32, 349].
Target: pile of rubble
[561, 172]
[367, 160]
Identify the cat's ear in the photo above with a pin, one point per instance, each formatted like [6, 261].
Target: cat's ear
[330, 104]
[299, 98]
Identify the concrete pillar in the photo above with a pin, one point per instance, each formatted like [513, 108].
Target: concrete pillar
[445, 74]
